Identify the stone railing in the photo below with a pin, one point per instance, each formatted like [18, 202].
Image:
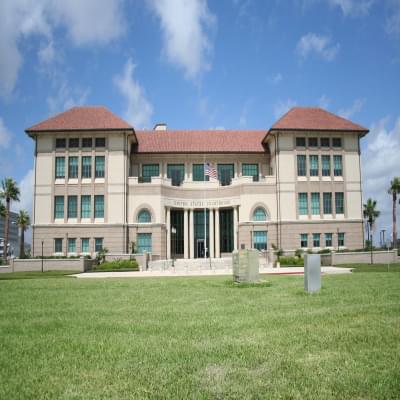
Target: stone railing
[355, 257]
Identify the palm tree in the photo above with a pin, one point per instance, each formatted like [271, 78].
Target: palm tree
[394, 189]
[23, 222]
[10, 192]
[370, 214]
[2, 210]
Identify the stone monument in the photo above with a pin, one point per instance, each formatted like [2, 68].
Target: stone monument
[245, 266]
[312, 273]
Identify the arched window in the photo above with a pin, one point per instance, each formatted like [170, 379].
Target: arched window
[144, 216]
[259, 214]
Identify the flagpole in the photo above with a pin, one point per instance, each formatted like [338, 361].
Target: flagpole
[205, 214]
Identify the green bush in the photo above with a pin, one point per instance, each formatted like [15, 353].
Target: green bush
[117, 265]
[291, 261]
[324, 251]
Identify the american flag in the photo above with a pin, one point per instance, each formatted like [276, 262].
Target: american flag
[210, 170]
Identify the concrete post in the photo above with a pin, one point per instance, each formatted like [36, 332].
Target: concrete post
[217, 252]
[235, 228]
[312, 273]
[168, 233]
[191, 234]
[185, 234]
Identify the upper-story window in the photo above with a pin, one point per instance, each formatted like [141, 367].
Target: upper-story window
[315, 203]
[337, 165]
[198, 173]
[144, 216]
[60, 143]
[60, 167]
[303, 204]
[301, 165]
[226, 173]
[72, 206]
[100, 142]
[99, 206]
[149, 170]
[99, 166]
[325, 142]
[326, 165]
[72, 167]
[86, 166]
[339, 202]
[250, 170]
[259, 214]
[327, 202]
[87, 142]
[300, 142]
[336, 142]
[58, 207]
[73, 143]
[176, 172]
[313, 142]
[86, 211]
[313, 165]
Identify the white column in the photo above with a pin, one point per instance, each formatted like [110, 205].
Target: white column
[211, 211]
[191, 234]
[185, 234]
[217, 253]
[235, 228]
[168, 225]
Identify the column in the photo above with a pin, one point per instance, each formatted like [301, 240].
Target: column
[185, 234]
[168, 226]
[217, 253]
[211, 223]
[235, 228]
[191, 234]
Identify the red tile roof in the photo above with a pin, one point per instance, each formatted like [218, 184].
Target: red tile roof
[200, 141]
[82, 118]
[310, 118]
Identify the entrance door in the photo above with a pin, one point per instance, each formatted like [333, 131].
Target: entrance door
[200, 248]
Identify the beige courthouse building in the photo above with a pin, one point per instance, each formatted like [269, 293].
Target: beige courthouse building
[99, 182]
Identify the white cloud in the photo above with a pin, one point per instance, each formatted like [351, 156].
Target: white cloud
[392, 24]
[317, 44]
[380, 163]
[324, 102]
[281, 107]
[26, 189]
[66, 97]
[138, 111]
[186, 29]
[5, 135]
[356, 107]
[355, 8]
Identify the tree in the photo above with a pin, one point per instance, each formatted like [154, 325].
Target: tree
[23, 222]
[370, 214]
[10, 192]
[2, 210]
[394, 190]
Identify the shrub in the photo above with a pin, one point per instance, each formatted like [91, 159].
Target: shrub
[117, 265]
[299, 253]
[324, 251]
[291, 261]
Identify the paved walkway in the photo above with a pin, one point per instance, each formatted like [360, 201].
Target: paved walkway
[268, 271]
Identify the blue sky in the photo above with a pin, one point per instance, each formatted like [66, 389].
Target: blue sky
[203, 64]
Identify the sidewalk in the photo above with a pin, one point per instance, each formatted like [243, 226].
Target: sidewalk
[221, 272]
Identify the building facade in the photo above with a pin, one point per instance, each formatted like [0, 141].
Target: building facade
[99, 183]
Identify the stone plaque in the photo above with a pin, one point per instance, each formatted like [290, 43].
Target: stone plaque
[245, 266]
[312, 272]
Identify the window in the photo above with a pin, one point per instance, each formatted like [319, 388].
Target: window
[337, 142]
[339, 202]
[59, 207]
[198, 173]
[144, 243]
[325, 142]
[303, 205]
[259, 214]
[301, 165]
[99, 206]
[72, 207]
[73, 142]
[60, 143]
[144, 216]
[71, 245]
[327, 199]
[313, 165]
[328, 239]
[58, 245]
[260, 240]
[341, 239]
[99, 166]
[98, 244]
[60, 167]
[87, 142]
[316, 239]
[303, 240]
[250, 170]
[326, 165]
[176, 172]
[225, 173]
[85, 206]
[85, 245]
[312, 142]
[300, 142]
[337, 166]
[72, 167]
[86, 167]
[100, 142]
[149, 170]
[315, 203]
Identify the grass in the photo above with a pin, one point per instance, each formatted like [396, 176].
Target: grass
[372, 267]
[200, 338]
[35, 275]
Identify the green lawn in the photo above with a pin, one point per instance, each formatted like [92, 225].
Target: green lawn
[200, 338]
[373, 267]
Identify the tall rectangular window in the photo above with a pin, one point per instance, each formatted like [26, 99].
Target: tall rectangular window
[144, 243]
[301, 165]
[260, 240]
[341, 239]
[250, 169]
[86, 167]
[72, 167]
[326, 165]
[327, 199]
[337, 165]
[313, 165]
[316, 239]
[85, 206]
[98, 244]
[85, 245]
[60, 167]
[328, 239]
[71, 245]
[176, 172]
[58, 245]
[59, 207]
[315, 203]
[225, 173]
[99, 206]
[339, 202]
[303, 204]
[99, 166]
[303, 240]
[72, 206]
[198, 173]
[149, 170]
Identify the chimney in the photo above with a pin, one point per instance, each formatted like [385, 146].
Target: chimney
[160, 127]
